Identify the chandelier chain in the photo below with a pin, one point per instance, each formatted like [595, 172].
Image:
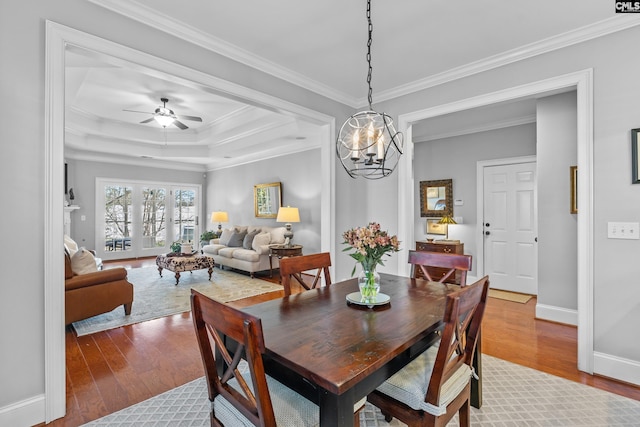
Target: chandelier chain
[370, 30]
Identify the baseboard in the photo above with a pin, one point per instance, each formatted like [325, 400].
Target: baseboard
[24, 413]
[557, 314]
[616, 367]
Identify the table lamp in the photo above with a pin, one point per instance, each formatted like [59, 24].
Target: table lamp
[219, 217]
[447, 220]
[288, 215]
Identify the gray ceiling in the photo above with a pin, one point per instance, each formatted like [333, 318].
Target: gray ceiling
[415, 44]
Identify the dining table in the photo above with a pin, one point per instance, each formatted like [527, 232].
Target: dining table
[335, 352]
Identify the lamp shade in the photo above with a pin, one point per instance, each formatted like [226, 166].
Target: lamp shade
[219, 216]
[288, 214]
[447, 220]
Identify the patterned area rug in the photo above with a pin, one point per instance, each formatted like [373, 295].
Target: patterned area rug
[513, 395]
[155, 296]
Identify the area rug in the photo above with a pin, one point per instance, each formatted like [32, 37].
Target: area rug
[155, 296]
[513, 395]
[509, 296]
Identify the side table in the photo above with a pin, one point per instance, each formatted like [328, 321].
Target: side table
[282, 251]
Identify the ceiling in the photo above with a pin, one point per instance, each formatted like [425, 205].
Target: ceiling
[416, 44]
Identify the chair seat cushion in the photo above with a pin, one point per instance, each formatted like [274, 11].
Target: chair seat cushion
[227, 252]
[409, 385]
[246, 255]
[213, 248]
[290, 408]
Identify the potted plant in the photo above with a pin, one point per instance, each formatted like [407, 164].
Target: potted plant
[206, 236]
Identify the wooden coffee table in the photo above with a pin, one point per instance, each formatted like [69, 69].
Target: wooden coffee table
[180, 263]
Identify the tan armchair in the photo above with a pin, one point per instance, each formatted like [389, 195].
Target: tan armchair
[90, 294]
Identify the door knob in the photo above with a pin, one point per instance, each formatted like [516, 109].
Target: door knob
[487, 232]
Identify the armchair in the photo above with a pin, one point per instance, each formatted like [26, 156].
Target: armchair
[87, 295]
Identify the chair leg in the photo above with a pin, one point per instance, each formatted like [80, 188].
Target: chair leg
[464, 414]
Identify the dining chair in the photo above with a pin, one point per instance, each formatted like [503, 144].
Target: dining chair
[240, 391]
[292, 267]
[436, 385]
[451, 263]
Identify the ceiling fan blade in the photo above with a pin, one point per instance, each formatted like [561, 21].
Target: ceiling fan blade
[194, 118]
[180, 125]
[147, 121]
[136, 111]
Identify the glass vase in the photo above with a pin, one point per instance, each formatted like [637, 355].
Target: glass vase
[369, 284]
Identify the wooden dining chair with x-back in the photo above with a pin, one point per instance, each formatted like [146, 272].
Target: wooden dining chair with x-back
[436, 385]
[293, 267]
[242, 394]
[450, 266]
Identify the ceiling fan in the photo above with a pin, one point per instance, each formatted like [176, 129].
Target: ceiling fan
[165, 116]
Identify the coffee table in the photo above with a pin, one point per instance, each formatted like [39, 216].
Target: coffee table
[184, 262]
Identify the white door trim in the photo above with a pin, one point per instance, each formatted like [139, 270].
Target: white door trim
[58, 37]
[582, 82]
[480, 165]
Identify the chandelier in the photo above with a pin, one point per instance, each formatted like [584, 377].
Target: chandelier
[368, 144]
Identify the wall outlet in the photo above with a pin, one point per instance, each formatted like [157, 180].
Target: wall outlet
[623, 230]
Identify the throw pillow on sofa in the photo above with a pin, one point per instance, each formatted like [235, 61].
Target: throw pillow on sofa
[225, 236]
[277, 235]
[261, 242]
[236, 239]
[83, 262]
[247, 243]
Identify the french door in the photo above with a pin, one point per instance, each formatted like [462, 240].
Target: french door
[140, 219]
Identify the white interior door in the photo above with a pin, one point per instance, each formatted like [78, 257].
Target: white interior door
[510, 227]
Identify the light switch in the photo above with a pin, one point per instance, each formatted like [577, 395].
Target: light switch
[623, 230]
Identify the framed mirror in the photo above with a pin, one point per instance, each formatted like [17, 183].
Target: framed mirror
[436, 198]
[267, 199]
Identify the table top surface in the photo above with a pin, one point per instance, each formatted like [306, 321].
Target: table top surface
[336, 345]
[283, 247]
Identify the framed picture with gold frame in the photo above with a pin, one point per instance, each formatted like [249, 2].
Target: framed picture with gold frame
[573, 171]
[433, 227]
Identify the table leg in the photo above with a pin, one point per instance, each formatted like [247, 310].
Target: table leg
[210, 272]
[336, 411]
[177, 278]
[270, 266]
[160, 271]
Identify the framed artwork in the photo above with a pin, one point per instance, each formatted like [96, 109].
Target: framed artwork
[436, 198]
[434, 228]
[573, 171]
[635, 152]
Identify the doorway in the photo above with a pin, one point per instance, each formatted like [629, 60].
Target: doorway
[509, 224]
[581, 82]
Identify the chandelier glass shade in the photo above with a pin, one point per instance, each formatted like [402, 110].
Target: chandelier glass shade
[368, 144]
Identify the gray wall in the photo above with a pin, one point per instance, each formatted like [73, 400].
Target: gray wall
[456, 158]
[231, 190]
[82, 178]
[557, 227]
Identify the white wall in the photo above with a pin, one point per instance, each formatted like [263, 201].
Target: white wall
[455, 158]
[557, 227]
[231, 190]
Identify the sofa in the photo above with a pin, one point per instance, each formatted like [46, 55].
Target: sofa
[96, 292]
[245, 247]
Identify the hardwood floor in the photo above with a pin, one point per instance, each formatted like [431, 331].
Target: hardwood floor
[108, 371]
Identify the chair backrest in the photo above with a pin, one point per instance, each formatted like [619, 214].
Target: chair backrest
[463, 315]
[452, 263]
[293, 266]
[212, 320]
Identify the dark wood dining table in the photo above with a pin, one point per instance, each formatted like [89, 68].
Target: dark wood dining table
[335, 353]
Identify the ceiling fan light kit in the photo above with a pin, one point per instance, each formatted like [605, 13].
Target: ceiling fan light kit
[166, 117]
[368, 144]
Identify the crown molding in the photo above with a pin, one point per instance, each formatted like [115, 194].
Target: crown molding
[124, 160]
[159, 21]
[152, 18]
[579, 35]
[477, 129]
